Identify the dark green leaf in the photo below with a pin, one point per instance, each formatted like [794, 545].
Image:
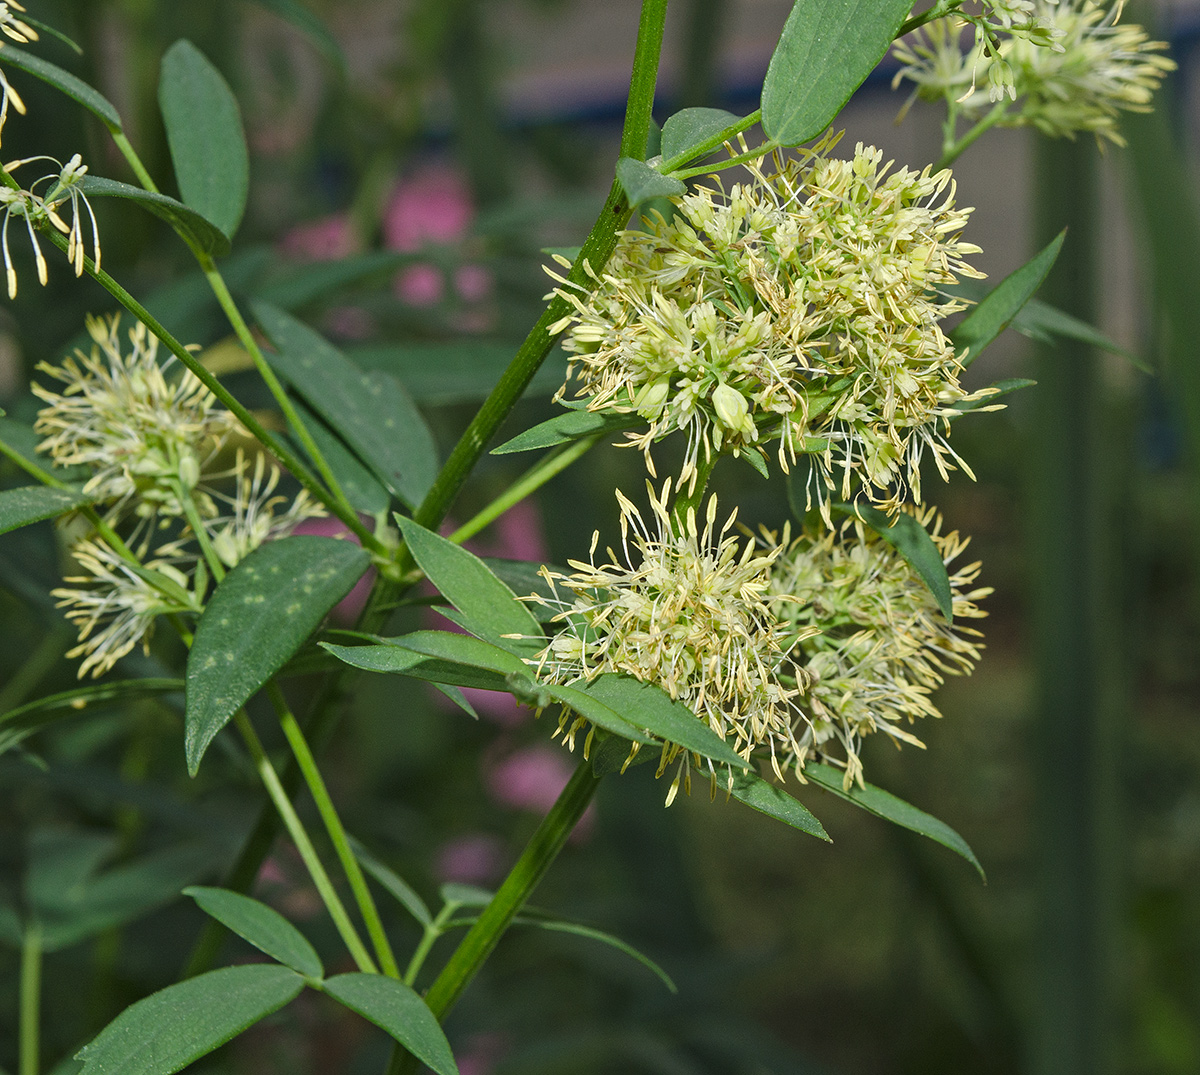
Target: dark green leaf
[1043, 321]
[1002, 388]
[491, 609]
[463, 649]
[909, 538]
[205, 136]
[641, 182]
[307, 283]
[194, 228]
[524, 579]
[21, 722]
[262, 613]
[262, 926]
[169, 1029]
[33, 503]
[75, 88]
[563, 428]
[599, 713]
[371, 411]
[298, 15]
[648, 706]
[394, 1007]
[691, 128]
[460, 895]
[404, 893]
[392, 659]
[556, 925]
[364, 491]
[885, 805]
[827, 49]
[994, 313]
[772, 800]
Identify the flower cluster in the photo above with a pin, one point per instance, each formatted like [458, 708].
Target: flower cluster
[150, 440]
[688, 609]
[802, 305]
[871, 639]
[1093, 69]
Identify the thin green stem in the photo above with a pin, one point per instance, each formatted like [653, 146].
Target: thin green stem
[534, 478]
[337, 832]
[954, 148]
[732, 162]
[938, 11]
[192, 514]
[135, 162]
[217, 282]
[429, 938]
[497, 916]
[295, 827]
[31, 999]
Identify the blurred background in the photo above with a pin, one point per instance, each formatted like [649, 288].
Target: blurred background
[410, 161]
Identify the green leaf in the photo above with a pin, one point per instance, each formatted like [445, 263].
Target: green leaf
[827, 49]
[205, 136]
[490, 607]
[464, 649]
[908, 537]
[564, 428]
[394, 1007]
[371, 411]
[885, 805]
[693, 127]
[403, 892]
[523, 577]
[364, 491]
[461, 895]
[1002, 388]
[307, 283]
[641, 182]
[772, 800]
[648, 706]
[395, 660]
[169, 1029]
[19, 723]
[262, 926]
[298, 15]
[33, 503]
[192, 226]
[556, 925]
[599, 713]
[459, 371]
[75, 88]
[1040, 320]
[994, 313]
[260, 615]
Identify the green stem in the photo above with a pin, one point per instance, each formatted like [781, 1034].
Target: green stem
[308, 853]
[192, 514]
[732, 162]
[952, 150]
[938, 11]
[642, 83]
[31, 998]
[532, 479]
[217, 282]
[337, 832]
[428, 939]
[497, 916]
[135, 162]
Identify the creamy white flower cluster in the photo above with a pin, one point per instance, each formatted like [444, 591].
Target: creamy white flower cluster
[151, 442]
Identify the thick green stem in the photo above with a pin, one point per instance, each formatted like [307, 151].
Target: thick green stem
[217, 282]
[31, 999]
[308, 853]
[337, 832]
[534, 478]
[953, 149]
[497, 916]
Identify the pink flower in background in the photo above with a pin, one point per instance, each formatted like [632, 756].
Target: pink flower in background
[420, 285]
[473, 859]
[531, 779]
[473, 283]
[432, 206]
[325, 239]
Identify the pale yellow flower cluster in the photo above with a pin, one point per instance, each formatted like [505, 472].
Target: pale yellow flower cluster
[1094, 68]
[872, 642]
[802, 306]
[150, 441]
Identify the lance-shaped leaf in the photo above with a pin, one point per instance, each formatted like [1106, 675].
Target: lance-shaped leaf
[563, 428]
[909, 538]
[78, 90]
[530, 917]
[686, 131]
[396, 1008]
[205, 136]
[372, 411]
[191, 225]
[167, 1030]
[994, 313]
[827, 49]
[364, 491]
[490, 608]
[262, 926]
[400, 889]
[887, 806]
[33, 503]
[1000, 388]
[262, 613]
[772, 800]
[641, 182]
[396, 660]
